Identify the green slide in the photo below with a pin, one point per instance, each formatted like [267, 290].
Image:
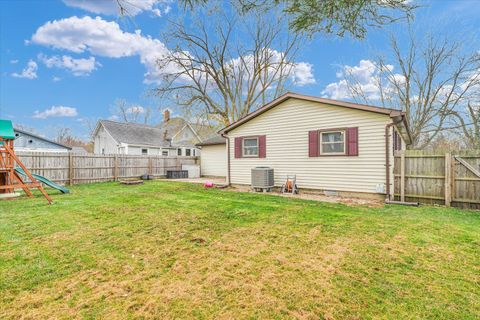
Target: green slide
[44, 180]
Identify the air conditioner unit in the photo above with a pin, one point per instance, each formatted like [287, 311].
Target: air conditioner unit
[262, 178]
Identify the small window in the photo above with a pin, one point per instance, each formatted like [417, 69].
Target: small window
[30, 141]
[250, 147]
[103, 150]
[17, 135]
[179, 152]
[194, 153]
[165, 153]
[188, 152]
[332, 142]
[144, 151]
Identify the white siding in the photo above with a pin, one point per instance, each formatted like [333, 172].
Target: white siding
[286, 128]
[103, 140]
[213, 161]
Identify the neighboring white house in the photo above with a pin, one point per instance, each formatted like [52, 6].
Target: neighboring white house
[329, 145]
[213, 161]
[173, 137]
[27, 141]
[110, 137]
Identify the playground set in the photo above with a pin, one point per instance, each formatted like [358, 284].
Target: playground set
[12, 169]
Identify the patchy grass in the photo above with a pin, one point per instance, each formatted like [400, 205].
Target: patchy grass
[173, 250]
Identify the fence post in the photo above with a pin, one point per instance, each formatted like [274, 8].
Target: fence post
[150, 169]
[448, 179]
[402, 176]
[115, 167]
[70, 169]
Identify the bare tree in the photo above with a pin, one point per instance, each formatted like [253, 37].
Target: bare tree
[226, 66]
[132, 113]
[468, 122]
[435, 78]
[65, 136]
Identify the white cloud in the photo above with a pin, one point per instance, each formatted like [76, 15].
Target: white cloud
[56, 111]
[14, 61]
[79, 67]
[29, 72]
[56, 79]
[111, 7]
[303, 73]
[365, 78]
[103, 38]
[135, 110]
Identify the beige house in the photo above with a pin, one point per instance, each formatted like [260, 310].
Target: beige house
[329, 145]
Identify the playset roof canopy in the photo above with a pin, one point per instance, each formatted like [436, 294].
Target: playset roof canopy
[6, 129]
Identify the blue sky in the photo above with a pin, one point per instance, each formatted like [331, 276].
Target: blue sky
[48, 80]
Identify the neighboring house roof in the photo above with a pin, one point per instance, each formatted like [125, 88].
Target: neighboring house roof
[135, 134]
[41, 138]
[393, 113]
[215, 140]
[176, 124]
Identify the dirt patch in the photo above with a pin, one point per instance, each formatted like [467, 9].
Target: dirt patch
[317, 196]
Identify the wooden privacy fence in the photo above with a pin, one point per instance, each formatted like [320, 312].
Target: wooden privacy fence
[452, 178]
[70, 168]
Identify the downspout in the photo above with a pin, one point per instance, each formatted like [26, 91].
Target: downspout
[387, 157]
[228, 158]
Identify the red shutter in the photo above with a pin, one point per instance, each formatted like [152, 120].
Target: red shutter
[313, 144]
[238, 147]
[262, 146]
[352, 141]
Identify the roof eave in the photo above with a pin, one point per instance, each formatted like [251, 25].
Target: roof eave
[288, 95]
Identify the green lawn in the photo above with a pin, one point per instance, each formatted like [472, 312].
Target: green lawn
[172, 250]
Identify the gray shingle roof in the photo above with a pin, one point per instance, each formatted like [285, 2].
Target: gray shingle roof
[136, 134]
[218, 139]
[175, 124]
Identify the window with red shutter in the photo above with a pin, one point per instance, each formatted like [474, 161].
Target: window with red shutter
[251, 147]
[333, 142]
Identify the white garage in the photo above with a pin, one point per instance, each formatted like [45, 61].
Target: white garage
[213, 159]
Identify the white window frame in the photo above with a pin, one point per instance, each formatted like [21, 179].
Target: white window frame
[164, 151]
[250, 155]
[142, 151]
[344, 133]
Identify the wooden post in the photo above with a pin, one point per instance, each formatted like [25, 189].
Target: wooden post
[150, 168]
[70, 169]
[115, 167]
[453, 192]
[448, 179]
[402, 176]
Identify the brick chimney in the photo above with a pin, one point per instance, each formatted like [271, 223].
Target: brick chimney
[166, 115]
